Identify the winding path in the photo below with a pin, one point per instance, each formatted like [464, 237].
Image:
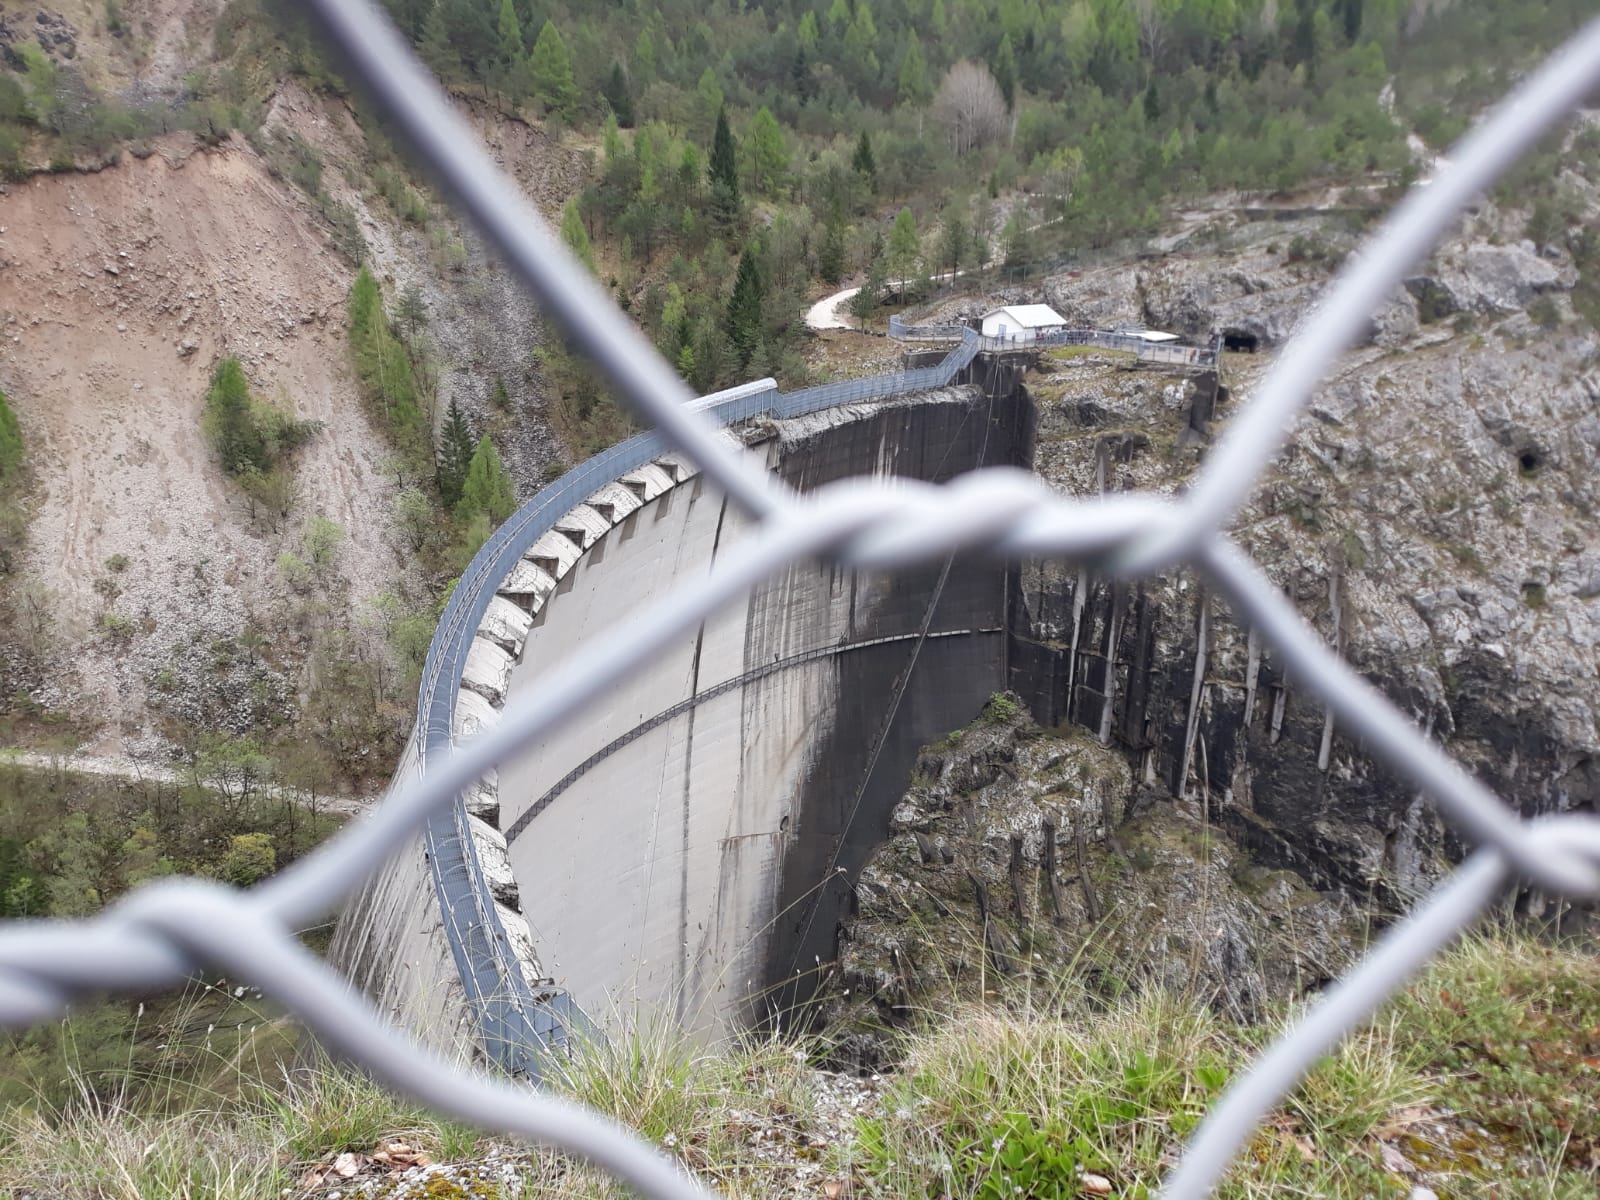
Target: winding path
[824, 314]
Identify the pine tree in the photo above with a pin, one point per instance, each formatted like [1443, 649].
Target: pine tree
[644, 55]
[744, 323]
[1005, 72]
[865, 301]
[230, 423]
[509, 74]
[486, 491]
[914, 86]
[366, 306]
[454, 456]
[1350, 12]
[468, 27]
[436, 48]
[409, 15]
[723, 171]
[611, 142]
[830, 255]
[618, 96]
[800, 76]
[509, 32]
[863, 163]
[905, 248]
[575, 235]
[953, 237]
[412, 309]
[861, 40]
[551, 69]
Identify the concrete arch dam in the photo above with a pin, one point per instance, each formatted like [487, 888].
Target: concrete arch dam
[693, 838]
[685, 847]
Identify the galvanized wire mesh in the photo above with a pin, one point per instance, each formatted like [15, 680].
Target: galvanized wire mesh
[161, 933]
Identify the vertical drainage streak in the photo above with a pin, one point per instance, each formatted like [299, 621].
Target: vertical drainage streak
[688, 790]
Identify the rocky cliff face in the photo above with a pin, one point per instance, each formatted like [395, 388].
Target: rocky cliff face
[1019, 853]
[1433, 518]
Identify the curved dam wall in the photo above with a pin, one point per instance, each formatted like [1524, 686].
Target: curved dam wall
[687, 849]
[438, 938]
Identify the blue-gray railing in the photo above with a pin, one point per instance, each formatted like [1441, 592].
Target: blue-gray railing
[908, 331]
[1175, 353]
[517, 1026]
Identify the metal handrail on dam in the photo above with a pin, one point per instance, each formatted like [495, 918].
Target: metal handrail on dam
[1145, 350]
[517, 1024]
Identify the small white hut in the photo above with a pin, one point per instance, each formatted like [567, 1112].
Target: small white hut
[1022, 322]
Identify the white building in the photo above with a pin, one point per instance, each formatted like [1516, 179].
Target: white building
[1022, 322]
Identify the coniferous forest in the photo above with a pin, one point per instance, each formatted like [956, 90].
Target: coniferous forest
[748, 155]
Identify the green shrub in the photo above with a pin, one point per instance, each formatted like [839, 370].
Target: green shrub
[250, 859]
[1003, 707]
[250, 435]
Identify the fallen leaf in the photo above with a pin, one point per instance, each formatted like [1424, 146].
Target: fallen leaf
[1400, 1121]
[833, 1188]
[1094, 1185]
[1308, 1152]
[311, 1180]
[1394, 1161]
[346, 1165]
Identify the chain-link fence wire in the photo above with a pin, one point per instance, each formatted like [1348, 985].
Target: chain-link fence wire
[160, 934]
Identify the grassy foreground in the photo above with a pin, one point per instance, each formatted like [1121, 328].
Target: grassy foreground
[1482, 1081]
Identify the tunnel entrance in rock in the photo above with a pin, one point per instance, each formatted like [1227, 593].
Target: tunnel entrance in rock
[1239, 341]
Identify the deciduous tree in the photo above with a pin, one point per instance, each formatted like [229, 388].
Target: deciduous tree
[971, 107]
[765, 150]
[905, 249]
[575, 235]
[914, 87]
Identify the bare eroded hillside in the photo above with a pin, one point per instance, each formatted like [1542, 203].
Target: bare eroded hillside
[120, 290]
